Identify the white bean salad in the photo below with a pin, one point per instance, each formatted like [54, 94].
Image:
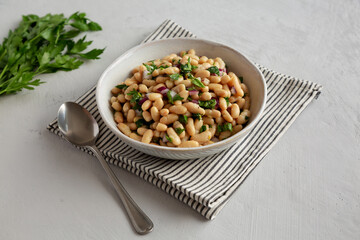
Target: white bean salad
[181, 101]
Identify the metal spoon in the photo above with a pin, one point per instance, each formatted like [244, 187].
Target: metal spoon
[80, 128]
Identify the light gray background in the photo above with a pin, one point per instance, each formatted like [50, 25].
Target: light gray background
[307, 187]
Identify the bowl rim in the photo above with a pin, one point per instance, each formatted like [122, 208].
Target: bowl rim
[117, 132]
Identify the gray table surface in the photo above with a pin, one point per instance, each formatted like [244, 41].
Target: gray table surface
[307, 187]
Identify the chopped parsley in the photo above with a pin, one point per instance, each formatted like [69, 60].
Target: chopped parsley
[191, 88]
[210, 104]
[214, 70]
[163, 67]
[246, 118]
[227, 101]
[244, 95]
[173, 99]
[196, 116]
[202, 129]
[196, 82]
[187, 68]
[151, 67]
[141, 122]
[225, 127]
[122, 86]
[175, 76]
[179, 130]
[168, 138]
[210, 126]
[135, 96]
[183, 119]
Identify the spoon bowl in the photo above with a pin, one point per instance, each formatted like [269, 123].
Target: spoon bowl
[79, 127]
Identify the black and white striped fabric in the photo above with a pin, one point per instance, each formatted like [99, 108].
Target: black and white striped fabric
[206, 184]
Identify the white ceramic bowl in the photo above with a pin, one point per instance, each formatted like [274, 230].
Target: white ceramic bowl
[120, 69]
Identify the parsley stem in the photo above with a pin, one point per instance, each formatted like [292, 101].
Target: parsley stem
[3, 71]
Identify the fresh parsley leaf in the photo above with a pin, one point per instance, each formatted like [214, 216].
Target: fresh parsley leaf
[93, 54]
[168, 94]
[141, 122]
[197, 82]
[163, 67]
[225, 127]
[189, 98]
[210, 104]
[173, 99]
[136, 96]
[210, 126]
[191, 88]
[246, 118]
[227, 101]
[183, 119]
[196, 116]
[202, 129]
[122, 86]
[214, 70]
[177, 97]
[179, 130]
[151, 68]
[175, 76]
[43, 45]
[186, 68]
[168, 138]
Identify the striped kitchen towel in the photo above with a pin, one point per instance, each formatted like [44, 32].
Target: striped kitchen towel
[206, 184]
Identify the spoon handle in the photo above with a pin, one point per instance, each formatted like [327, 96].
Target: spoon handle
[138, 218]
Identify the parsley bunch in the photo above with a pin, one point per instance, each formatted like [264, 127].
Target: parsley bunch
[43, 45]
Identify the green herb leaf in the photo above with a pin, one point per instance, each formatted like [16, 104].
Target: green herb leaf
[168, 138]
[173, 99]
[197, 82]
[93, 54]
[202, 129]
[246, 118]
[179, 130]
[141, 122]
[175, 76]
[177, 97]
[136, 96]
[241, 79]
[227, 101]
[196, 116]
[225, 127]
[122, 86]
[214, 70]
[163, 67]
[210, 104]
[151, 68]
[183, 119]
[38, 45]
[186, 68]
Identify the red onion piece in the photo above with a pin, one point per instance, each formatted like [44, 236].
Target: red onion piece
[195, 101]
[164, 139]
[143, 100]
[146, 75]
[233, 90]
[161, 88]
[193, 92]
[217, 102]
